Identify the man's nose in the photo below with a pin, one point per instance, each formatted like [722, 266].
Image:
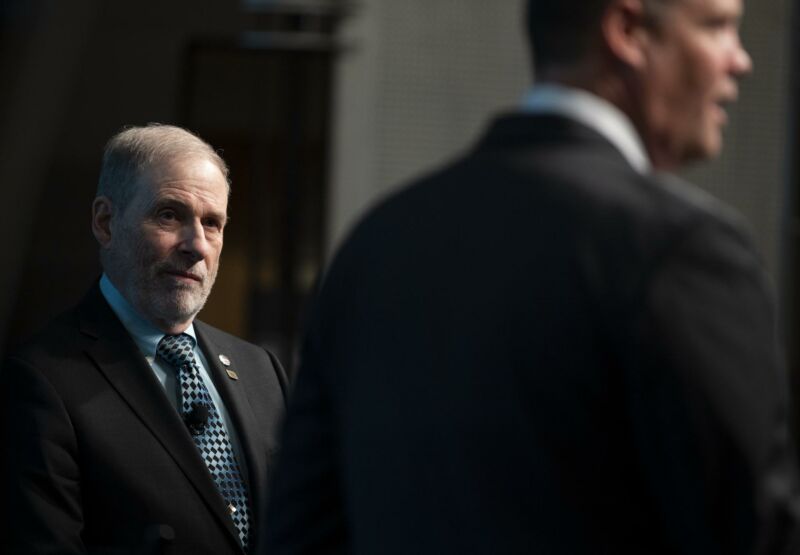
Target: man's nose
[741, 62]
[194, 242]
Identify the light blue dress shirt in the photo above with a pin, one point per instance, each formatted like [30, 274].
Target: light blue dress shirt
[146, 336]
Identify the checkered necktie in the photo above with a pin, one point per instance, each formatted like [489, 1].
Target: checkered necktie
[210, 437]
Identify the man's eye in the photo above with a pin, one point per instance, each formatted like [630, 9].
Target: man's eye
[167, 215]
[212, 223]
[721, 23]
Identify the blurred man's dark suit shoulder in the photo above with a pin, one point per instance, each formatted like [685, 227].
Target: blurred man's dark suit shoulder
[538, 349]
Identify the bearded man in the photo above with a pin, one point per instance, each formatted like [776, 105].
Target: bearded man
[129, 425]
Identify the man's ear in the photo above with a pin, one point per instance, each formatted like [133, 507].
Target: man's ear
[102, 213]
[625, 31]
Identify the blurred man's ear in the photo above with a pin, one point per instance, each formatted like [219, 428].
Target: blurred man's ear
[102, 212]
[625, 31]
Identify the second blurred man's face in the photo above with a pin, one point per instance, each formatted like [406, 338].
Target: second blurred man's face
[694, 59]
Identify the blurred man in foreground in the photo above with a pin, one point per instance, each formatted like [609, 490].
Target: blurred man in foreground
[549, 346]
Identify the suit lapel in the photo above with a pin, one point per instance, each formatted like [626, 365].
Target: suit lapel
[119, 359]
[248, 429]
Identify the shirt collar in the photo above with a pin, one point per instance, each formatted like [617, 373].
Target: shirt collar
[145, 335]
[594, 112]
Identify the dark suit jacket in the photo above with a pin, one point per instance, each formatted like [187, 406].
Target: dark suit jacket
[97, 457]
[538, 350]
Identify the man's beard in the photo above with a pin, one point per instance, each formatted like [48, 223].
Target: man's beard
[168, 302]
[145, 284]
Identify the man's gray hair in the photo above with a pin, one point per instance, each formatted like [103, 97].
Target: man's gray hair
[134, 150]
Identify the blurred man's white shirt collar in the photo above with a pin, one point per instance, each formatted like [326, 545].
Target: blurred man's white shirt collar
[593, 112]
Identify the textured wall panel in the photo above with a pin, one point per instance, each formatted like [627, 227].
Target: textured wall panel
[446, 64]
[416, 87]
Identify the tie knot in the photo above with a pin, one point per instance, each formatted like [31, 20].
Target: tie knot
[176, 349]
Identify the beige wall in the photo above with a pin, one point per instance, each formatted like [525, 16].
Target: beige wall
[415, 87]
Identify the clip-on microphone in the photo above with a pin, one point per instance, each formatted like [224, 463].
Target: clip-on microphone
[196, 419]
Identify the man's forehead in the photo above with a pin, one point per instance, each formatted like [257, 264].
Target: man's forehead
[183, 168]
[182, 180]
[187, 191]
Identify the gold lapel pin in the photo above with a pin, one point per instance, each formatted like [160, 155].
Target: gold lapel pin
[231, 374]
